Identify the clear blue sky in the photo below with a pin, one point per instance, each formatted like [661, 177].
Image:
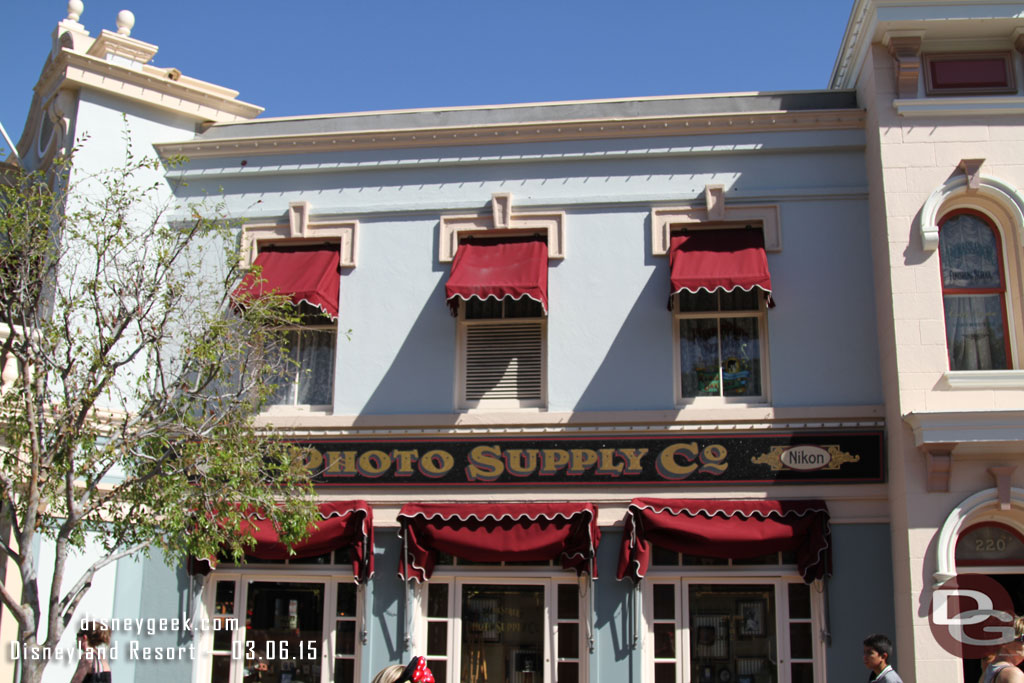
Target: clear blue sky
[320, 56]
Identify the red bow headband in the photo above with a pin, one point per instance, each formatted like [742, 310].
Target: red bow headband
[417, 672]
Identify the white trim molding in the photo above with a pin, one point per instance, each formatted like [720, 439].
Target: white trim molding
[1003, 193]
[990, 427]
[984, 379]
[694, 215]
[960, 106]
[300, 228]
[503, 220]
[961, 517]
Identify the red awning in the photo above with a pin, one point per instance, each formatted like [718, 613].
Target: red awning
[510, 267]
[726, 260]
[308, 274]
[344, 524]
[736, 529]
[486, 532]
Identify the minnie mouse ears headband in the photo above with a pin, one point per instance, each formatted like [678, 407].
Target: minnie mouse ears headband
[416, 672]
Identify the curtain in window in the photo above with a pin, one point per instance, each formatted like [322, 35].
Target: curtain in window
[316, 366]
[972, 283]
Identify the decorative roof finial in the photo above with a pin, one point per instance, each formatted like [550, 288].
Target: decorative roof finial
[75, 9]
[125, 22]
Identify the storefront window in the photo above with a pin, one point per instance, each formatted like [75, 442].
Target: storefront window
[702, 631]
[282, 629]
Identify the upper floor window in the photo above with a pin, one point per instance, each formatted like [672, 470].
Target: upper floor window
[721, 288]
[498, 289]
[307, 379]
[720, 344]
[973, 292]
[308, 275]
[969, 74]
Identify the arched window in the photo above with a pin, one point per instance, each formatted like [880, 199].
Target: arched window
[973, 292]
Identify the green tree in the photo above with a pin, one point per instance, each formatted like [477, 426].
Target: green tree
[131, 382]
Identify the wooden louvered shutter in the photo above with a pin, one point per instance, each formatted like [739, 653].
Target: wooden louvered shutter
[504, 360]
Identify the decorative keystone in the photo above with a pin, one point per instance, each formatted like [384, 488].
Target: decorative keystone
[938, 461]
[501, 209]
[714, 197]
[971, 169]
[75, 9]
[1002, 477]
[125, 22]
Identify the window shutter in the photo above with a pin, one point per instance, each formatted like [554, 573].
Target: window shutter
[504, 360]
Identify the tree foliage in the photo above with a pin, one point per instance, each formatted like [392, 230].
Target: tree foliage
[131, 383]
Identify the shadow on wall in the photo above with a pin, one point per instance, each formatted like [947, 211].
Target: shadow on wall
[421, 377]
[636, 373]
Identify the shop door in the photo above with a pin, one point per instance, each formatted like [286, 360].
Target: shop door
[503, 631]
[284, 627]
[731, 632]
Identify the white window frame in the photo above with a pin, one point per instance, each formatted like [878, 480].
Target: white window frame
[524, 576]
[329, 576]
[683, 578]
[461, 350]
[677, 361]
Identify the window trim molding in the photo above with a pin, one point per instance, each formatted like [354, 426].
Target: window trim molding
[462, 403]
[1006, 299]
[1004, 194]
[327, 575]
[928, 59]
[665, 219]
[298, 230]
[683, 580]
[503, 221]
[549, 578]
[721, 401]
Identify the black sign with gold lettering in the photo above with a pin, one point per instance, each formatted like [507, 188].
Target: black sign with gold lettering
[799, 458]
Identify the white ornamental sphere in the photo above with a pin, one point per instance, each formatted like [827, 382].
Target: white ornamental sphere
[125, 22]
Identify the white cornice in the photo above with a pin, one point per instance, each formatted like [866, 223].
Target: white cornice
[485, 423]
[993, 426]
[545, 131]
[960, 106]
[71, 69]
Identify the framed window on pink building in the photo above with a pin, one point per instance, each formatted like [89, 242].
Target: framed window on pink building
[974, 292]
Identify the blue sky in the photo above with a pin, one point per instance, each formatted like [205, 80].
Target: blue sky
[319, 56]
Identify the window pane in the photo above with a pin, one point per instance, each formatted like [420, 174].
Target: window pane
[346, 640]
[437, 638]
[799, 601]
[221, 669]
[225, 601]
[344, 671]
[346, 600]
[439, 668]
[664, 557]
[568, 672]
[969, 254]
[664, 601]
[502, 633]
[800, 641]
[437, 600]
[569, 601]
[803, 672]
[664, 673]
[771, 558]
[569, 640]
[316, 367]
[664, 641]
[975, 337]
[284, 394]
[738, 300]
[741, 363]
[282, 615]
[222, 641]
[732, 626]
[699, 352]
